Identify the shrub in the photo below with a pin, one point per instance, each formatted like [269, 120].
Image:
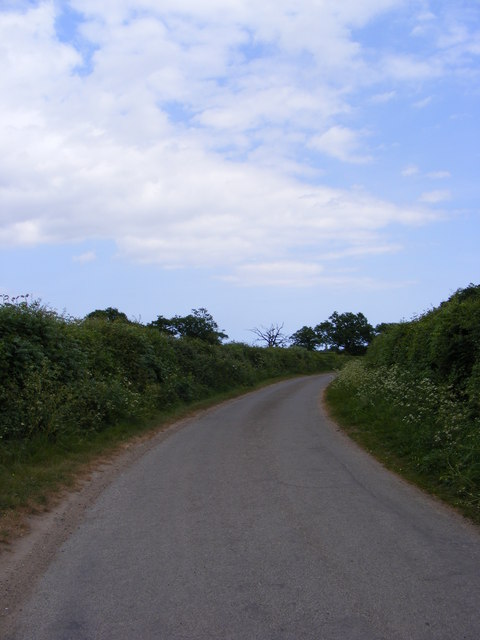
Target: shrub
[60, 375]
[423, 422]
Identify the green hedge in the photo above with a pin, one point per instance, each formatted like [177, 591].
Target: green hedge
[443, 344]
[415, 398]
[60, 374]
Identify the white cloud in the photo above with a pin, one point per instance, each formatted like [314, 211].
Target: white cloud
[426, 16]
[341, 143]
[410, 68]
[410, 170]
[434, 197]
[413, 170]
[284, 274]
[383, 98]
[182, 140]
[425, 23]
[301, 275]
[439, 175]
[453, 32]
[421, 104]
[83, 258]
[363, 250]
[457, 34]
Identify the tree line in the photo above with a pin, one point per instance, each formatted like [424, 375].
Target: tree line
[348, 333]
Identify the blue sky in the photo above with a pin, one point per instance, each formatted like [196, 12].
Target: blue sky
[272, 162]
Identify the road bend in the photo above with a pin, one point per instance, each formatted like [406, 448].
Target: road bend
[259, 519]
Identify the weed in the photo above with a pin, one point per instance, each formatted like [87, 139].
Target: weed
[420, 426]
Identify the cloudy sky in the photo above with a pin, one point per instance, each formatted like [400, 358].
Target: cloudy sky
[270, 160]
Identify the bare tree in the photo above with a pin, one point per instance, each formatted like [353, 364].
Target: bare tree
[271, 336]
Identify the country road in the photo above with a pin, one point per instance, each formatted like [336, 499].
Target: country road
[259, 519]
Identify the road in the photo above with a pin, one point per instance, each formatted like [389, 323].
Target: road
[259, 519]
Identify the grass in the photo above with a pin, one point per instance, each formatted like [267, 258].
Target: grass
[380, 427]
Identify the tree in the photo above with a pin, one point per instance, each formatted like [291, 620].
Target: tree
[305, 338]
[164, 325]
[323, 333]
[271, 336]
[198, 324]
[110, 314]
[346, 332]
[383, 327]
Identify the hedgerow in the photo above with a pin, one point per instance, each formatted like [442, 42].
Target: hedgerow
[60, 375]
[416, 397]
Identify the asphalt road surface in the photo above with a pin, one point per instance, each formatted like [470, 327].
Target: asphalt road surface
[260, 520]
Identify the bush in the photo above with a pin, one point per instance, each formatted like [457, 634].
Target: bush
[443, 344]
[417, 397]
[60, 375]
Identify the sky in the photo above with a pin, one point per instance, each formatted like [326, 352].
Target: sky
[272, 161]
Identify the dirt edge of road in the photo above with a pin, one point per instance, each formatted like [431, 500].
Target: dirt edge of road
[40, 535]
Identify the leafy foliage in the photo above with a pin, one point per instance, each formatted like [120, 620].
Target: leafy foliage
[63, 376]
[416, 397]
[443, 344]
[111, 314]
[198, 324]
[422, 425]
[306, 338]
[348, 332]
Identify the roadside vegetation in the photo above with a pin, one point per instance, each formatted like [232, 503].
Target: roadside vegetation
[75, 389]
[414, 399]
[71, 389]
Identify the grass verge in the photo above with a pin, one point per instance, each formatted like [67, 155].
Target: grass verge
[380, 430]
